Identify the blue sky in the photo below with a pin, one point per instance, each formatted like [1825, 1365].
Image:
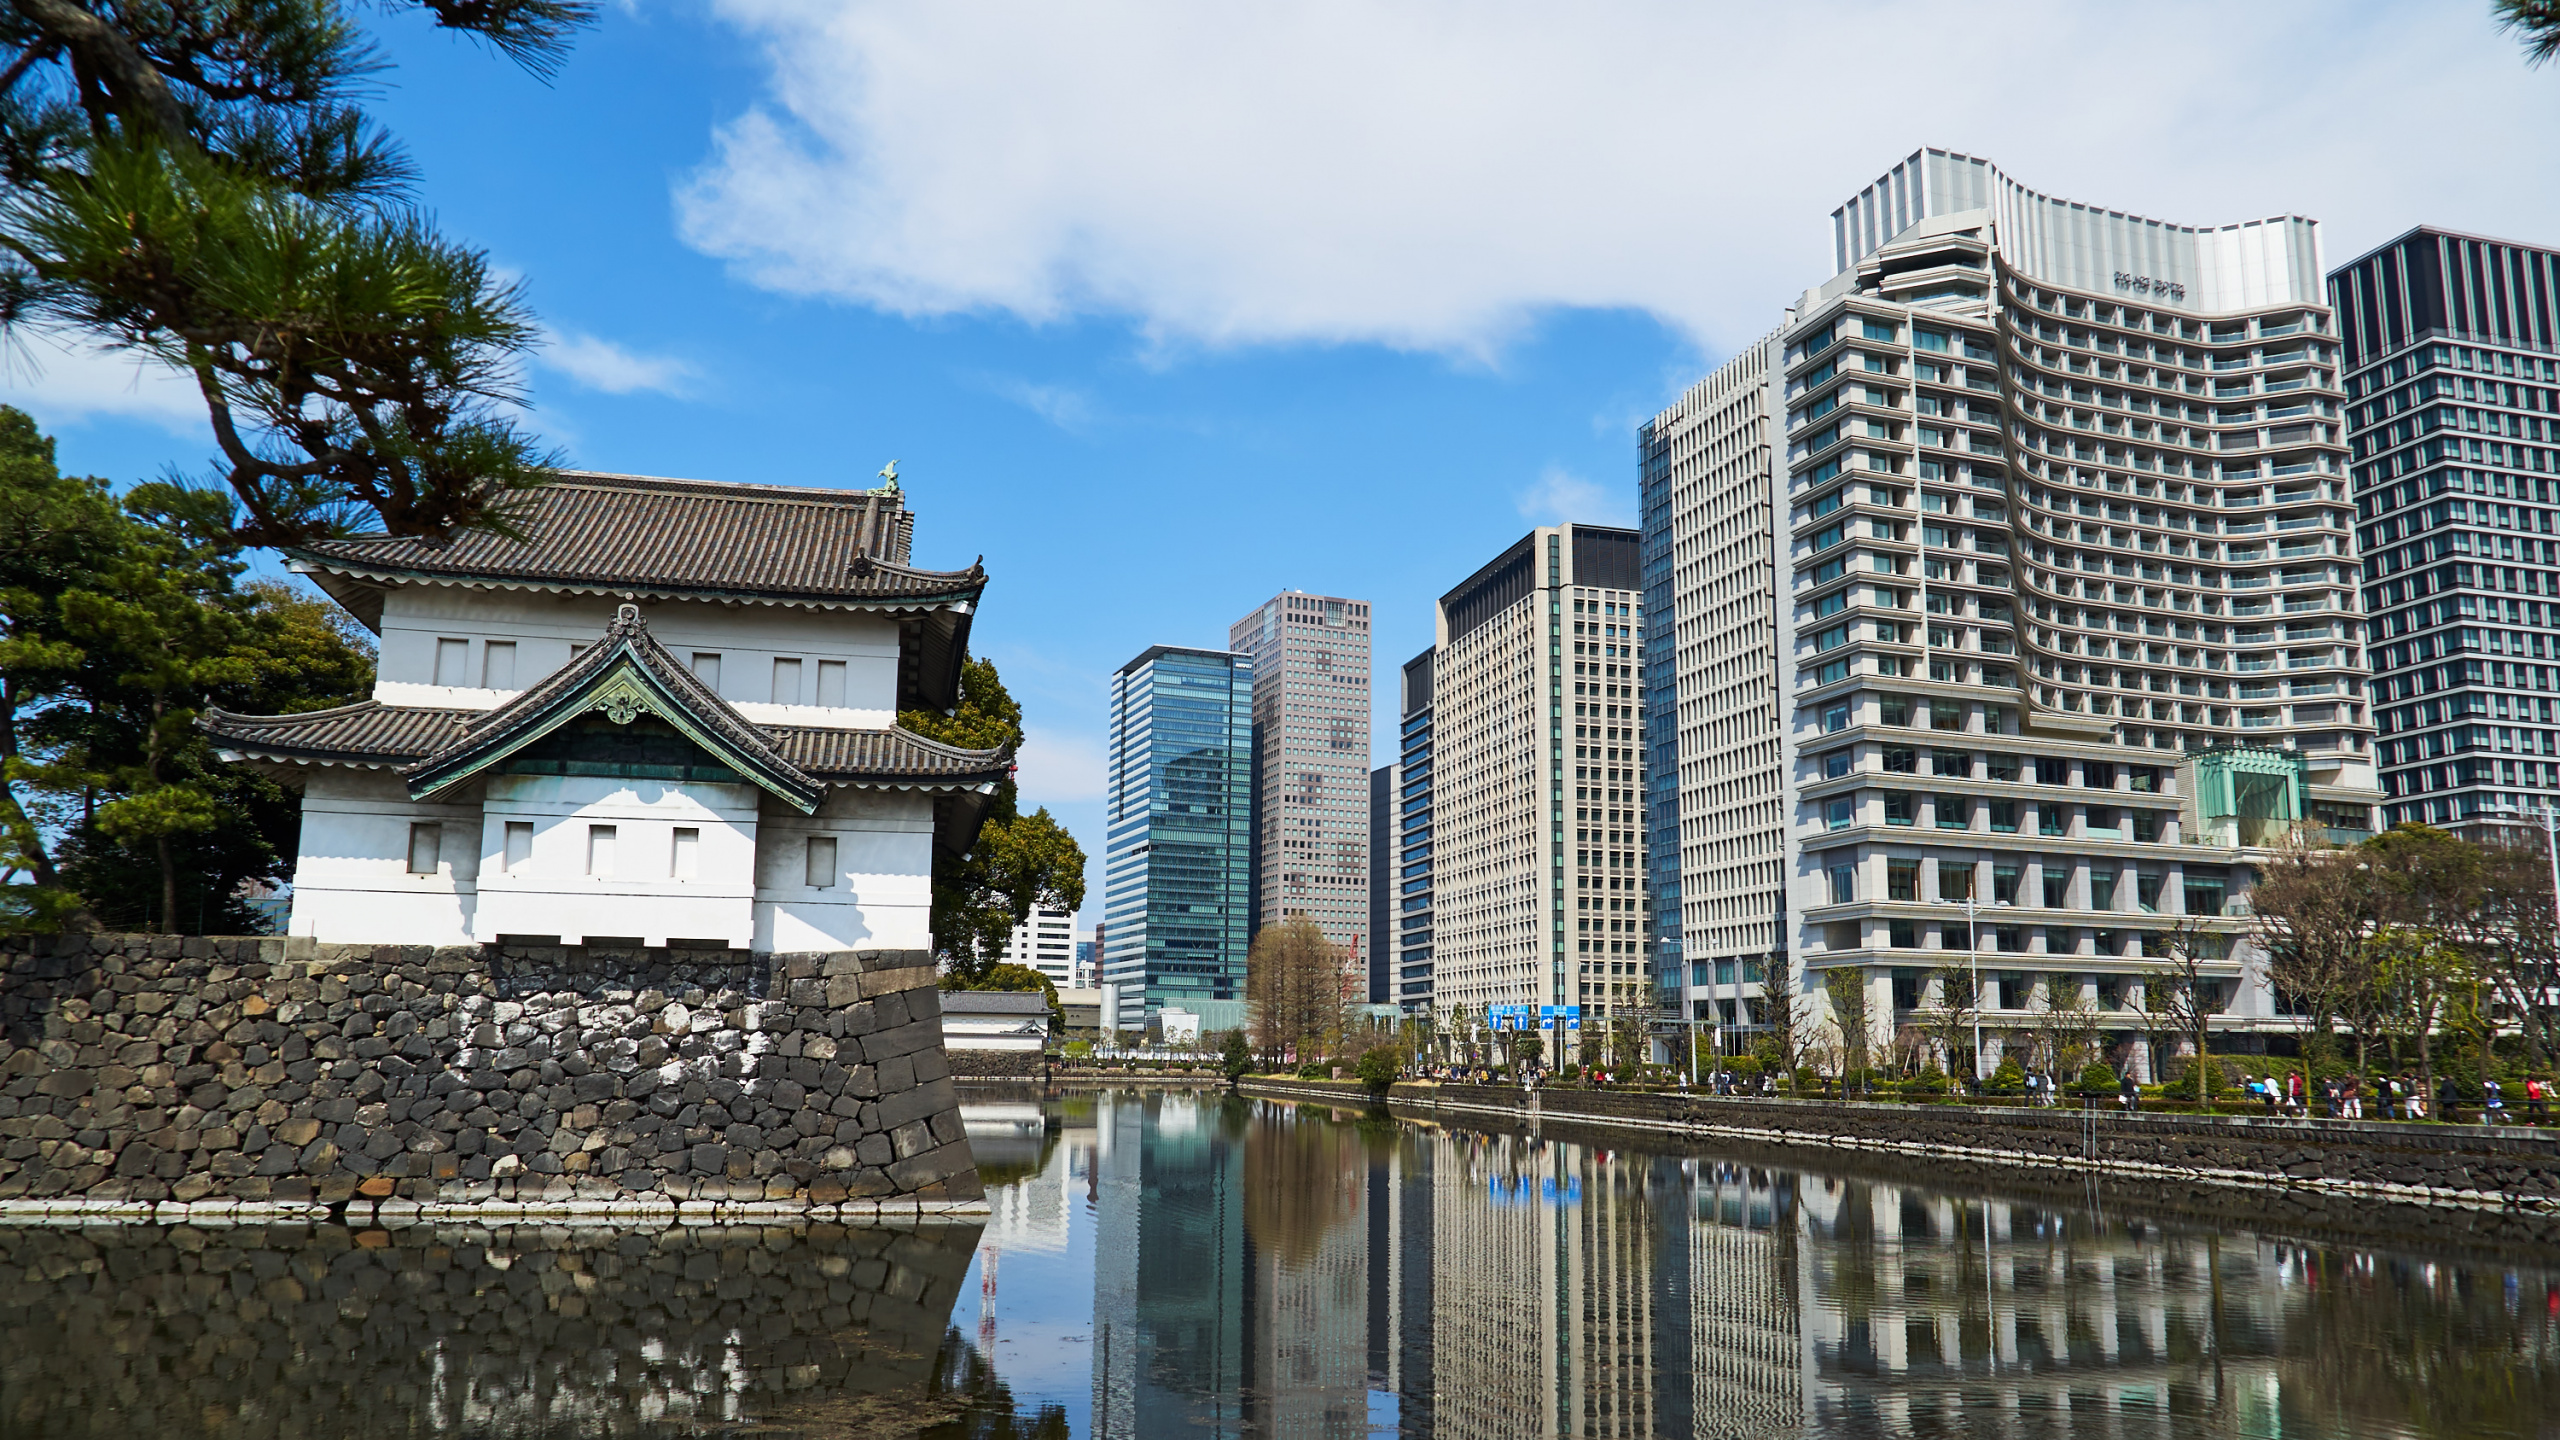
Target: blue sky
[1166, 308]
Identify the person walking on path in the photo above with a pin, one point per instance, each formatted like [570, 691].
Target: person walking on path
[2128, 1094]
[2355, 1097]
[2537, 1098]
[2445, 1097]
[2293, 1095]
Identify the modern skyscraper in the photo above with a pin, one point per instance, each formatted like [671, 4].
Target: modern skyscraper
[1537, 776]
[2450, 387]
[1711, 544]
[1178, 832]
[2066, 617]
[1310, 658]
[1382, 841]
[1413, 841]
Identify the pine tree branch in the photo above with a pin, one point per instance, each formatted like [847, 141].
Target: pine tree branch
[111, 55]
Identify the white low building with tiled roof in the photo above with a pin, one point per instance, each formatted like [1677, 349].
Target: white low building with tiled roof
[665, 715]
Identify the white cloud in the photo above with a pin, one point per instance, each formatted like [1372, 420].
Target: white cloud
[1059, 769]
[600, 364]
[64, 383]
[1064, 406]
[1434, 175]
[1563, 498]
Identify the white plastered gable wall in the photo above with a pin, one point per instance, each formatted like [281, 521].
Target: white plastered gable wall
[602, 857]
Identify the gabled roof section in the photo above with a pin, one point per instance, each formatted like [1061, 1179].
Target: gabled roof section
[626, 675]
[666, 539]
[888, 756]
[366, 735]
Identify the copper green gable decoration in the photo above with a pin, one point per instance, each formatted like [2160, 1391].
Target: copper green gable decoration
[627, 675]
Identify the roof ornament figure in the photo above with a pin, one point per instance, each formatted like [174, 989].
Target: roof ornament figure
[889, 472]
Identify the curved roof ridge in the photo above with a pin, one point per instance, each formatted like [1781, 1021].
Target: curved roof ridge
[944, 747]
[573, 689]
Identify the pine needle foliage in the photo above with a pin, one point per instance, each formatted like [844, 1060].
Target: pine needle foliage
[191, 182]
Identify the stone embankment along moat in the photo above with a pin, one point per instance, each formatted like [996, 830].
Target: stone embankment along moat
[154, 1069]
[2504, 1166]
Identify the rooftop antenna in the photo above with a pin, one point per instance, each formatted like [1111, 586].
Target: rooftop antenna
[889, 472]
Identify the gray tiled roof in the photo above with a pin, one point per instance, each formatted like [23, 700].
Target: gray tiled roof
[365, 733]
[883, 753]
[676, 538]
[994, 1002]
[432, 743]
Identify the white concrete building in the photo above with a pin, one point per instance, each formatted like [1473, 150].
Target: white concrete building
[667, 715]
[2060, 621]
[1538, 860]
[1047, 943]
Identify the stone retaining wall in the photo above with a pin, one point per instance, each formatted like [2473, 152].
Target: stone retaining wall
[308, 1330]
[2505, 1165]
[167, 1068]
[2417, 1161]
[997, 1064]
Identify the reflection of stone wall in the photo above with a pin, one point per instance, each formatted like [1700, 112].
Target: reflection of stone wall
[157, 1068]
[506, 1330]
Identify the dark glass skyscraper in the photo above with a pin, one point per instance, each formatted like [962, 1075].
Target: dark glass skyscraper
[1178, 815]
[2453, 416]
[1661, 723]
[1412, 988]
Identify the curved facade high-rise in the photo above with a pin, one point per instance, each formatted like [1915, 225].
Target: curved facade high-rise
[2070, 621]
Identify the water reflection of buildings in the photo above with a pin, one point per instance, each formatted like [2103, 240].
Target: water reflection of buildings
[1265, 1270]
[1258, 1271]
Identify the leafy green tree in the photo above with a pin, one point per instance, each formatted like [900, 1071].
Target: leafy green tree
[61, 531]
[2535, 22]
[1378, 1068]
[1235, 1056]
[123, 622]
[1017, 861]
[193, 183]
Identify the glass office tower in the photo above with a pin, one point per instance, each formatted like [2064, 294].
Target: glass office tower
[1412, 988]
[1659, 679]
[1178, 813]
[2453, 416]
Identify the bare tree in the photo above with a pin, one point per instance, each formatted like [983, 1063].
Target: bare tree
[1790, 1013]
[2523, 966]
[1949, 1019]
[2066, 1029]
[1293, 976]
[2183, 996]
[2312, 912]
[1847, 991]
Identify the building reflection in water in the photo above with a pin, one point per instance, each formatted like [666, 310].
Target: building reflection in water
[1277, 1270]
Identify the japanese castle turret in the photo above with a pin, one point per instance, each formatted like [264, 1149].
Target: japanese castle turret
[665, 716]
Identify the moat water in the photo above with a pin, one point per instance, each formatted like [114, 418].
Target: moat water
[1176, 1264]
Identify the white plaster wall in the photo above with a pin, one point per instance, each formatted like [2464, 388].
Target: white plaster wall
[747, 638]
[552, 892]
[352, 881]
[883, 895]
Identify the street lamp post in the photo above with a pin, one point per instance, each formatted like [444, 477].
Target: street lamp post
[1973, 958]
[1973, 964]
